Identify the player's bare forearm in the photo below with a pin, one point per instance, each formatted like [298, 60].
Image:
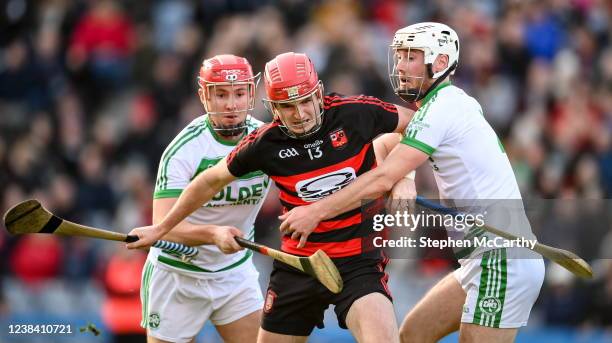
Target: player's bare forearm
[190, 234]
[185, 232]
[404, 117]
[372, 184]
[383, 145]
[201, 190]
[195, 235]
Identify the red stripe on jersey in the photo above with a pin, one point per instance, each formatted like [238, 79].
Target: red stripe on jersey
[249, 139]
[332, 249]
[356, 99]
[387, 108]
[394, 110]
[337, 101]
[293, 200]
[355, 162]
[332, 225]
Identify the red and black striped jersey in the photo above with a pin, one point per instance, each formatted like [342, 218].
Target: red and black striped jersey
[306, 170]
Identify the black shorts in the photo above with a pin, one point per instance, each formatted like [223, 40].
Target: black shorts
[295, 302]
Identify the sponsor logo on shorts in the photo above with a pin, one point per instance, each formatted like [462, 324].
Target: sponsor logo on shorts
[490, 305]
[466, 309]
[270, 296]
[154, 320]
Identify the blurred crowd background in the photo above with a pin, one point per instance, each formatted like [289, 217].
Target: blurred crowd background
[91, 92]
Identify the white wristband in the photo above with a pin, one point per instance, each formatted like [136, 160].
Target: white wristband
[411, 175]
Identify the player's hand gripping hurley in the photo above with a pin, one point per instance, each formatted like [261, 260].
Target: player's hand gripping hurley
[31, 217]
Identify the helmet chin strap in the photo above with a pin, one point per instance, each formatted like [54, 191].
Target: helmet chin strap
[413, 95]
[229, 130]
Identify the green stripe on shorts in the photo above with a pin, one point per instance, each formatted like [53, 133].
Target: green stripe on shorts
[193, 268]
[492, 290]
[502, 288]
[144, 293]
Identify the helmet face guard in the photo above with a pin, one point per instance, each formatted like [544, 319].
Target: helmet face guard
[399, 81]
[239, 97]
[299, 126]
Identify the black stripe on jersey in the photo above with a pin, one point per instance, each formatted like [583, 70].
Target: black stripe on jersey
[285, 204]
[346, 214]
[365, 228]
[342, 216]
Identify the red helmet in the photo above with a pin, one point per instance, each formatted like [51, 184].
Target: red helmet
[290, 78]
[226, 70]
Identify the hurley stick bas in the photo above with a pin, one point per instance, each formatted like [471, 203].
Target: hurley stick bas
[31, 217]
[564, 258]
[317, 265]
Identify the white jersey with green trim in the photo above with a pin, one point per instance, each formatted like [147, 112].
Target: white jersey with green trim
[468, 159]
[196, 148]
[469, 163]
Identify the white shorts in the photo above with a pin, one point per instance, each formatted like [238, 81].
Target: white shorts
[500, 291]
[175, 306]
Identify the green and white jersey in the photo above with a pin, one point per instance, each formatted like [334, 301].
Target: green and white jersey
[468, 159]
[469, 163]
[196, 148]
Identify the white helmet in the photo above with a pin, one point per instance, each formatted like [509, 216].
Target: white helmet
[433, 39]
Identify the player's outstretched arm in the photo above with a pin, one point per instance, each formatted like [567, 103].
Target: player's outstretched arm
[373, 184]
[196, 234]
[302, 220]
[198, 192]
